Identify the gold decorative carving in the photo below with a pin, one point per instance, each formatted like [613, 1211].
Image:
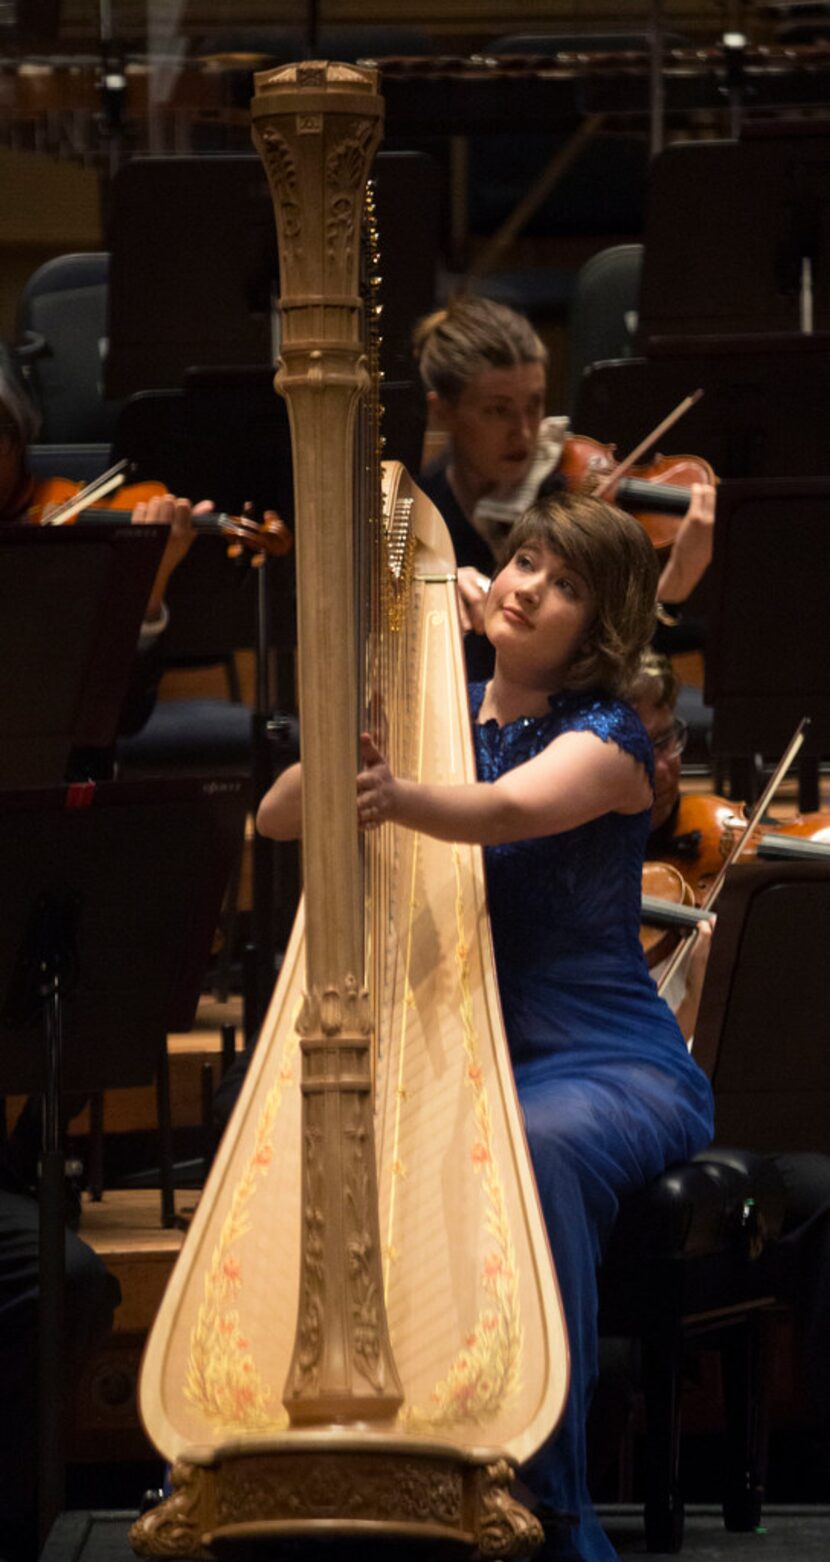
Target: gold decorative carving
[310, 1321]
[504, 1527]
[395, 1489]
[362, 1268]
[345, 174]
[282, 174]
[176, 1527]
[335, 1012]
[312, 74]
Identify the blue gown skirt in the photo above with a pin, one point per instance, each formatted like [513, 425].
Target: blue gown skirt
[597, 1129]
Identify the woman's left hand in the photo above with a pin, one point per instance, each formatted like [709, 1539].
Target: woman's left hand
[166, 510]
[691, 551]
[376, 786]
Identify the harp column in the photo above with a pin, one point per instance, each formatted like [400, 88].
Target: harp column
[316, 127]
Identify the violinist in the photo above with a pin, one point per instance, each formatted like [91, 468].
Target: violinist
[654, 696]
[18, 426]
[484, 370]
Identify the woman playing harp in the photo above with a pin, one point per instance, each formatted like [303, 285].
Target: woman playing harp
[427, 1342]
[562, 805]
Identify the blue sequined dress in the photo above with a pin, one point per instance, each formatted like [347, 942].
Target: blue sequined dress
[609, 1092]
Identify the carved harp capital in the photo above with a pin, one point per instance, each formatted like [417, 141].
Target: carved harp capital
[317, 126]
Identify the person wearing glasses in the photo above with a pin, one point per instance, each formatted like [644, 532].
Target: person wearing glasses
[654, 695]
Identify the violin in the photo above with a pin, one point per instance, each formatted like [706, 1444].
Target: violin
[730, 836]
[58, 501]
[664, 883]
[741, 839]
[704, 832]
[657, 493]
[806, 837]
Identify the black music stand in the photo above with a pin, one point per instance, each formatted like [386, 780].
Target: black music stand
[730, 317]
[762, 1032]
[112, 894]
[768, 651]
[194, 273]
[767, 198]
[71, 604]
[764, 412]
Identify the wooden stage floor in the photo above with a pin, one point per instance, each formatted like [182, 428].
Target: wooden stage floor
[787, 1535]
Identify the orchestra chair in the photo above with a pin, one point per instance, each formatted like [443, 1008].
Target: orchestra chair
[682, 1274]
[225, 436]
[61, 333]
[692, 1261]
[603, 311]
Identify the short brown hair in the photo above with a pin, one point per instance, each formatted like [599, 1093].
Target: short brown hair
[612, 553]
[454, 344]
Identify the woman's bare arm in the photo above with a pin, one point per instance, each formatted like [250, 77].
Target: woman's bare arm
[576, 778]
[280, 814]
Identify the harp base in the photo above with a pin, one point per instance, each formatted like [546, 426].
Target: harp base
[375, 1490]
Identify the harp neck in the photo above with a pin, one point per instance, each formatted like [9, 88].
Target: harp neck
[316, 127]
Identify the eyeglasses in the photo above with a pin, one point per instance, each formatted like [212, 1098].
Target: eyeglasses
[672, 742]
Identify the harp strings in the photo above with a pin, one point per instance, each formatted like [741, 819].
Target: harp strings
[386, 632]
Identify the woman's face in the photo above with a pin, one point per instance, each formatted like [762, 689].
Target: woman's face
[494, 424]
[539, 613]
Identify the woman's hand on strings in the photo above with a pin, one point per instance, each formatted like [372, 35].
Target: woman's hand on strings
[376, 787]
[471, 589]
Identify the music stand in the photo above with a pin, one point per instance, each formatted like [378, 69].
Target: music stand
[764, 412]
[71, 605]
[768, 651]
[767, 197]
[112, 894]
[194, 272]
[762, 1032]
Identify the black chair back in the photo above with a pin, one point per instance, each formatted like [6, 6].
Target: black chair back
[763, 1034]
[62, 330]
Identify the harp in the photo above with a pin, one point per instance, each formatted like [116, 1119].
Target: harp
[365, 1338]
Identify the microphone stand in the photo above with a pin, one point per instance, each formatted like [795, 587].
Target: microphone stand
[657, 92]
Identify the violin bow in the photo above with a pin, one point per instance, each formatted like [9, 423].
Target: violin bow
[105, 484]
[634, 455]
[739, 846]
